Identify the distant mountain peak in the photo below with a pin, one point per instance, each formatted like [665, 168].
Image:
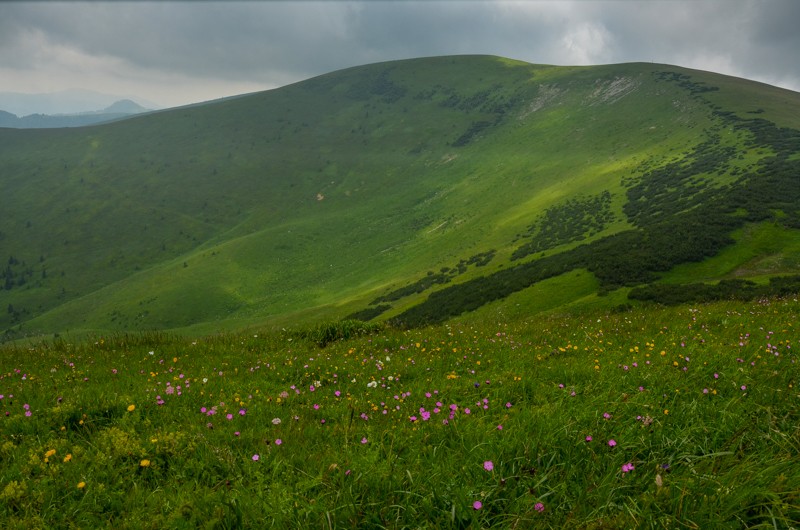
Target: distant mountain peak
[125, 106]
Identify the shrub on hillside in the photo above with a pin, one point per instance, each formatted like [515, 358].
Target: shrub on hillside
[324, 334]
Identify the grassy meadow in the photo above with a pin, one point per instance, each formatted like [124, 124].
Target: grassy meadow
[680, 417]
[489, 240]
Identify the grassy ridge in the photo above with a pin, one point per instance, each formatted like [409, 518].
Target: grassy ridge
[685, 416]
[315, 199]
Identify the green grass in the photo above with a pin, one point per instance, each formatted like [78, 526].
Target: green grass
[762, 250]
[312, 200]
[702, 401]
[555, 294]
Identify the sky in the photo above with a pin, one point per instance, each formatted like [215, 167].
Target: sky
[175, 53]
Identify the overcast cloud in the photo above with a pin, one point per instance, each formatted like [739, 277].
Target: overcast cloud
[174, 53]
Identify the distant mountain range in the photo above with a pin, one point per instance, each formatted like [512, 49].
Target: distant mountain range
[72, 101]
[119, 109]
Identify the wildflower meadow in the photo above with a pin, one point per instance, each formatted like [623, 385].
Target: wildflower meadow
[673, 417]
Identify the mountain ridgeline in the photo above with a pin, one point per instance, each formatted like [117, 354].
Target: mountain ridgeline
[413, 192]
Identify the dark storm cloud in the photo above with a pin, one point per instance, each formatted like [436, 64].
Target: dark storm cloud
[195, 38]
[180, 49]
[775, 41]
[749, 38]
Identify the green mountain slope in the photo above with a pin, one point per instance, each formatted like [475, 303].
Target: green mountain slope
[411, 190]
